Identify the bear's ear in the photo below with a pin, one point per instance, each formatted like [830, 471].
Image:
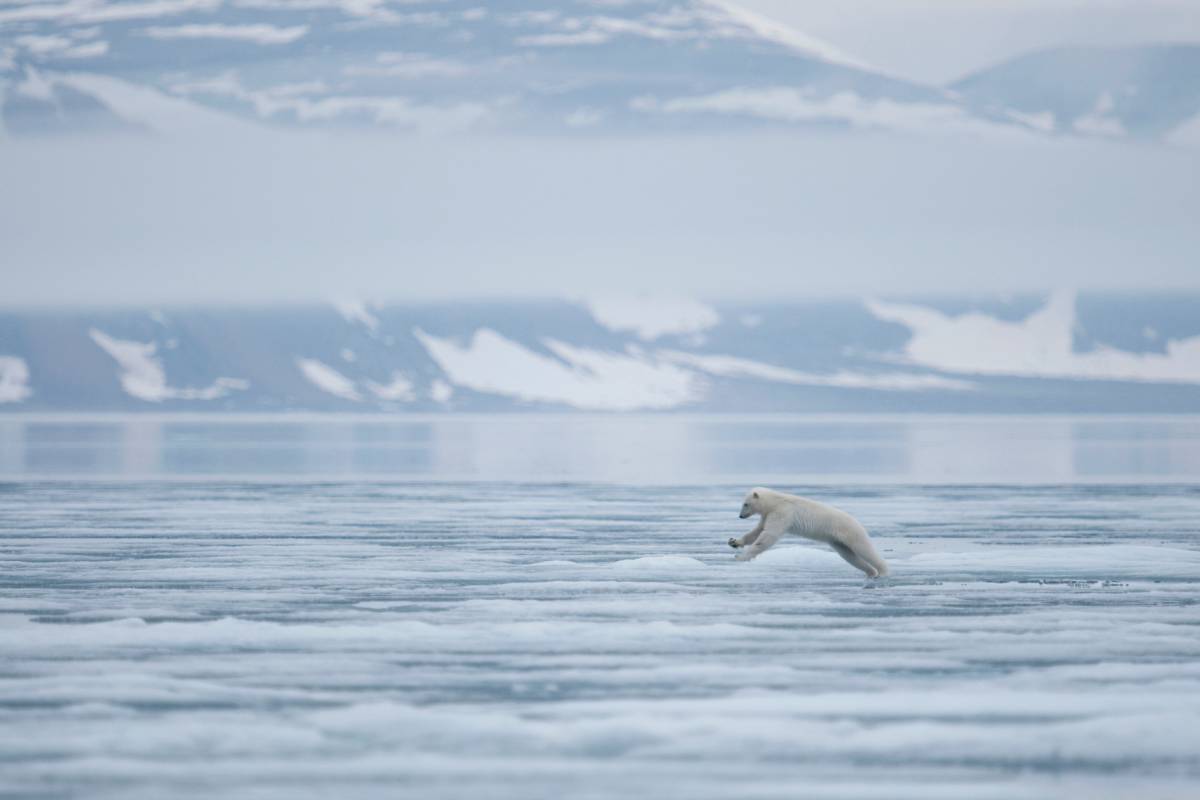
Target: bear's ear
[756, 495]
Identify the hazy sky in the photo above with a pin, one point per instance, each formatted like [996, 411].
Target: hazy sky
[396, 218]
[940, 40]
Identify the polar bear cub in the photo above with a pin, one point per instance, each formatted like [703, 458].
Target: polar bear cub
[786, 513]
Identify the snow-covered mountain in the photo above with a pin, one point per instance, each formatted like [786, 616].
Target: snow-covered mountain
[1149, 92]
[441, 65]
[573, 67]
[1062, 353]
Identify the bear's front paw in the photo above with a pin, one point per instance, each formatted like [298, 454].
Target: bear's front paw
[734, 543]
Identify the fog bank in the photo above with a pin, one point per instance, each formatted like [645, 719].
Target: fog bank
[291, 218]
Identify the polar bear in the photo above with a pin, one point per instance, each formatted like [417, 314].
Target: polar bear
[786, 513]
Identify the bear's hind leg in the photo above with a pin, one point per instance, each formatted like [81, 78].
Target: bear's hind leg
[854, 559]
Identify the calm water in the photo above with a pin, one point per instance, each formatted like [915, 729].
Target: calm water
[541, 607]
[660, 449]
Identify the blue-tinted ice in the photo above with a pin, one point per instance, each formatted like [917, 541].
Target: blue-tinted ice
[199, 637]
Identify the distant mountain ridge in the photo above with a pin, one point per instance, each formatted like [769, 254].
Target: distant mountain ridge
[1062, 353]
[1149, 92]
[436, 66]
[204, 66]
[207, 67]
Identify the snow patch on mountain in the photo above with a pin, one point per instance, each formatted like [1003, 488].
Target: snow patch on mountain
[151, 108]
[652, 317]
[357, 311]
[1043, 121]
[328, 379]
[400, 388]
[1186, 134]
[581, 378]
[412, 66]
[57, 47]
[440, 391]
[735, 367]
[770, 30]
[308, 101]
[1041, 345]
[91, 11]
[14, 379]
[1100, 121]
[787, 104]
[256, 34]
[701, 22]
[34, 86]
[143, 376]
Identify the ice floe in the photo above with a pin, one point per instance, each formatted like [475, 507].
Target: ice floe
[510, 641]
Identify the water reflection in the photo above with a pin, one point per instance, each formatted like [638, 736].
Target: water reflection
[636, 449]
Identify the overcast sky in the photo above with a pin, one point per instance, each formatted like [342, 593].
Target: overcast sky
[940, 40]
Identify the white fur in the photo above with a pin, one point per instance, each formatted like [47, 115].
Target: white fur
[782, 514]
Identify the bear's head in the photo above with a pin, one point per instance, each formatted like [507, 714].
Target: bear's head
[753, 504]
